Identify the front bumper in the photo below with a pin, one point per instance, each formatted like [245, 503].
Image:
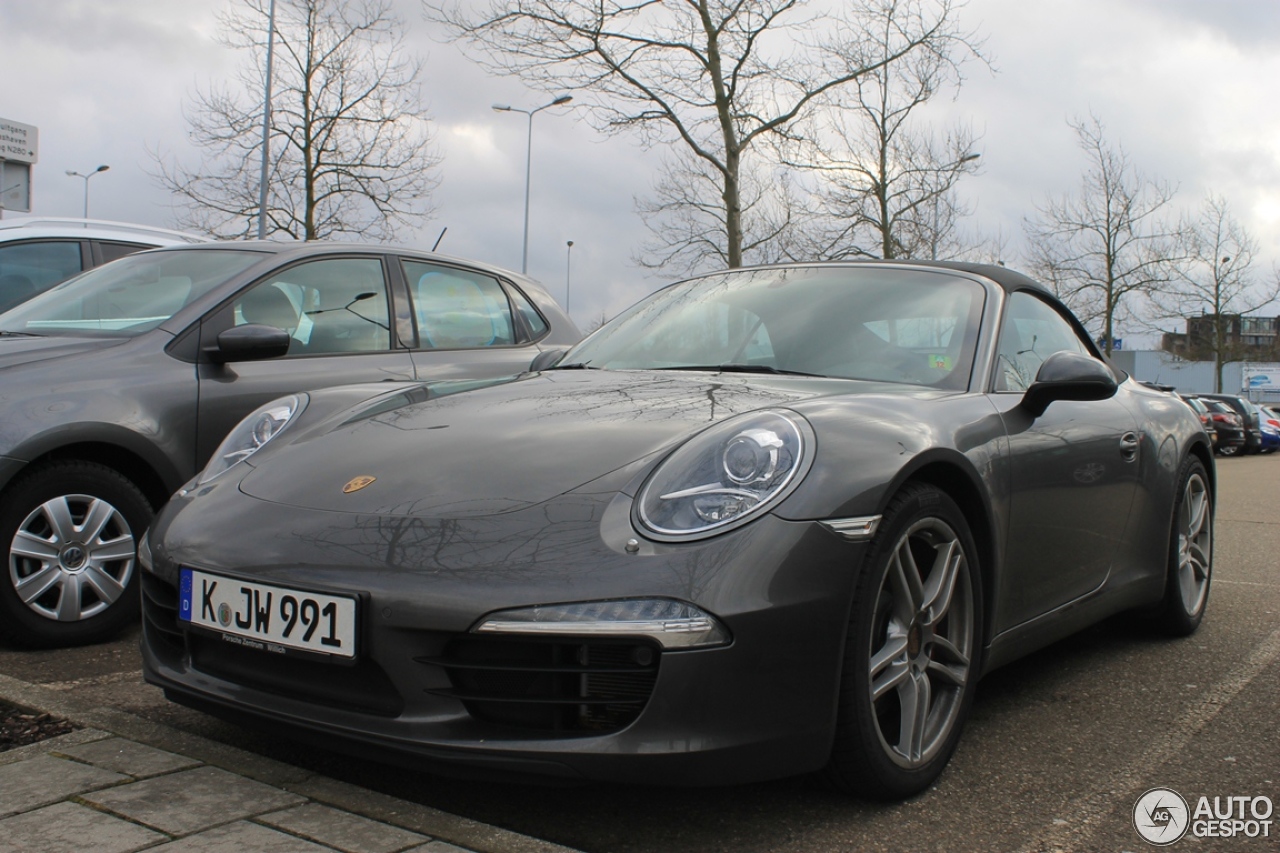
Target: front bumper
[760, 707]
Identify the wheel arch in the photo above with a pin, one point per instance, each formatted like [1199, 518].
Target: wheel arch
[122, 460]
[1202, 451]
[961, 483]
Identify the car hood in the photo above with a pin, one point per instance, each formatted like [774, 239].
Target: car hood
[18, 350]
[504, 447]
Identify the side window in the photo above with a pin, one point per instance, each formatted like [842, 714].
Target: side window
[537, 326]
[327, 306]
[1032, 332]
[456, 309]
[30, 268]
[115, 251]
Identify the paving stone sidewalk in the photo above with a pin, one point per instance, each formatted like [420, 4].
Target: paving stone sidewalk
[132, 785]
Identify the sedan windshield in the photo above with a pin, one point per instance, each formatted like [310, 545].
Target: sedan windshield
[129, 296]
[853, 322]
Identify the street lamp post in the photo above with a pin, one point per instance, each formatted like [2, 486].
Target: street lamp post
[266, 125]
[568, 261]
[87, 176]
[528, 164]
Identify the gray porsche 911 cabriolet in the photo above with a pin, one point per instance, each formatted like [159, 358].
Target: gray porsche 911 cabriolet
[765, 522]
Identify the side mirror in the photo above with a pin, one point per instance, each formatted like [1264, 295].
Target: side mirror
[1068, 376]
[250, 342]
[546, 358]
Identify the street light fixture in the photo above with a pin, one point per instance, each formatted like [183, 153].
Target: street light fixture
[568, 261]
[528, 164]
[73, 174]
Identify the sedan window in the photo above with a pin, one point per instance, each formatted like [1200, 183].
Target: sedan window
[329, 306]
[27, 268]
[537, 325]
[128, 297]
[457, 309]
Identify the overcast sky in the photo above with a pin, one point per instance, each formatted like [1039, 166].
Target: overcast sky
[1190, 89]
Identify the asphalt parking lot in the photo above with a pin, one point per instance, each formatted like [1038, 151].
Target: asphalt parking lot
[1059, 748]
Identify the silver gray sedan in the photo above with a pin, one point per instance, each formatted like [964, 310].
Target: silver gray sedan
[116, 386]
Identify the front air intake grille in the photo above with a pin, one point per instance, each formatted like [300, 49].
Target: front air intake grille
[563, 685]
[362, 686]
[160, 613]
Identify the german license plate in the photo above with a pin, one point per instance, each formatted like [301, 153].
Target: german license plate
[271, 618]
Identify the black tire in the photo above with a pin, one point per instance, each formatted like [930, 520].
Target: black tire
[1190, 567]
[908, 641]
[71, 529]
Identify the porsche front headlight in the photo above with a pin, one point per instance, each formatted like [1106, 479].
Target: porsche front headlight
[248, 436]
[725, 476]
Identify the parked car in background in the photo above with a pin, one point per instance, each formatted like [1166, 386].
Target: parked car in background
[765, 522]
[38, 252]
[1268, 430]
[1248, 418]
[116, 386]
[1228, 424]
[1206, 417]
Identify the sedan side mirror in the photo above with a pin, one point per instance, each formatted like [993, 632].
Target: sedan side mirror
[250, 342]
[1068, 376]
[546, 358]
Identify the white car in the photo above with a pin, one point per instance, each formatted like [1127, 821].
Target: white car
[38, 252]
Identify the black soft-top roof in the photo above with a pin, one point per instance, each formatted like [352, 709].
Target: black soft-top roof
[1006, 278]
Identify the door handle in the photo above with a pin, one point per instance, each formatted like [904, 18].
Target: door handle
[1129, 444]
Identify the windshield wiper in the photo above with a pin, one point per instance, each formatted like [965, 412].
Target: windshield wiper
[5, 333]
[733, 367]
[577, 365]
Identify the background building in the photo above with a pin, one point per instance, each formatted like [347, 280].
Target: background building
[1245, 338]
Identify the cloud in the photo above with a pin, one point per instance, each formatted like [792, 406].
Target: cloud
[1185, 86]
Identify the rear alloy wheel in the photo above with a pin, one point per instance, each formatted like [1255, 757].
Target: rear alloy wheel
[912, 653]
[71, 531]
[1190, 552]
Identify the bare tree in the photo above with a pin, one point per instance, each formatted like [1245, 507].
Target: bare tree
[1110, 244]
[688, 219]
[886, 187]
[1216, 281]
[351, 151]
[596, 322]
[715, 77]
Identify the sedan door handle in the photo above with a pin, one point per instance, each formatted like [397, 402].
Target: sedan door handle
[1129, 444]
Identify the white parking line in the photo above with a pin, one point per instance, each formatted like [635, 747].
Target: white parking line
[1129, 784]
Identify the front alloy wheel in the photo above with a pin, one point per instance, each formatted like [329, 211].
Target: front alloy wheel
[70, 577]
[912, 655]
[1190, 567]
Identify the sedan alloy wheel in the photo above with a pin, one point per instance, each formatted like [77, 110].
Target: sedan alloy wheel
[72, 553]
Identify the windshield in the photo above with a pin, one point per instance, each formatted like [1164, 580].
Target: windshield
[129, 296]
[875, 323]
